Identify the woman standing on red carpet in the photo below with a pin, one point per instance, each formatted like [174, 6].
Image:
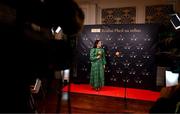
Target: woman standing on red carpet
[98, 61]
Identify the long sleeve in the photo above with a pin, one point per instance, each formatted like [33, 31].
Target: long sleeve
[93, 56]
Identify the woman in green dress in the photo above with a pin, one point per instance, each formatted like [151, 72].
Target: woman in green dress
[98, 61]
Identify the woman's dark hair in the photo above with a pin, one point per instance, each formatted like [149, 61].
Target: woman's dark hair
[95, 43]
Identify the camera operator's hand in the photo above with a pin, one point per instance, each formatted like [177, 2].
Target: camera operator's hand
[167, 92]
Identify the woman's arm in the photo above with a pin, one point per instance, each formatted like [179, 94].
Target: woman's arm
[93, 56]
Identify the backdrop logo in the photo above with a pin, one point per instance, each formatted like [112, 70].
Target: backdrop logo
[95, 30]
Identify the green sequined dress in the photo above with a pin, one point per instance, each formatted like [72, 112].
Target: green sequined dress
[97, 67]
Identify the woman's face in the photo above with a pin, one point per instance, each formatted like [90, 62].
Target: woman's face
[99, 44]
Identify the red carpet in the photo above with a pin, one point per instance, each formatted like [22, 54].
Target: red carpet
[131, 93]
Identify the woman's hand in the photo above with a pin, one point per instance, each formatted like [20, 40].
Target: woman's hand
[99, 53]
[99, 56]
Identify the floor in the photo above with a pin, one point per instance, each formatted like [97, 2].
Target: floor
[85, 103]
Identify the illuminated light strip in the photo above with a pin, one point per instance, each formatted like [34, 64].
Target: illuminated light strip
[176, 27]
[57, 30]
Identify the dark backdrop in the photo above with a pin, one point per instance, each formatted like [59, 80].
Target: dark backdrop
[136, 64]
